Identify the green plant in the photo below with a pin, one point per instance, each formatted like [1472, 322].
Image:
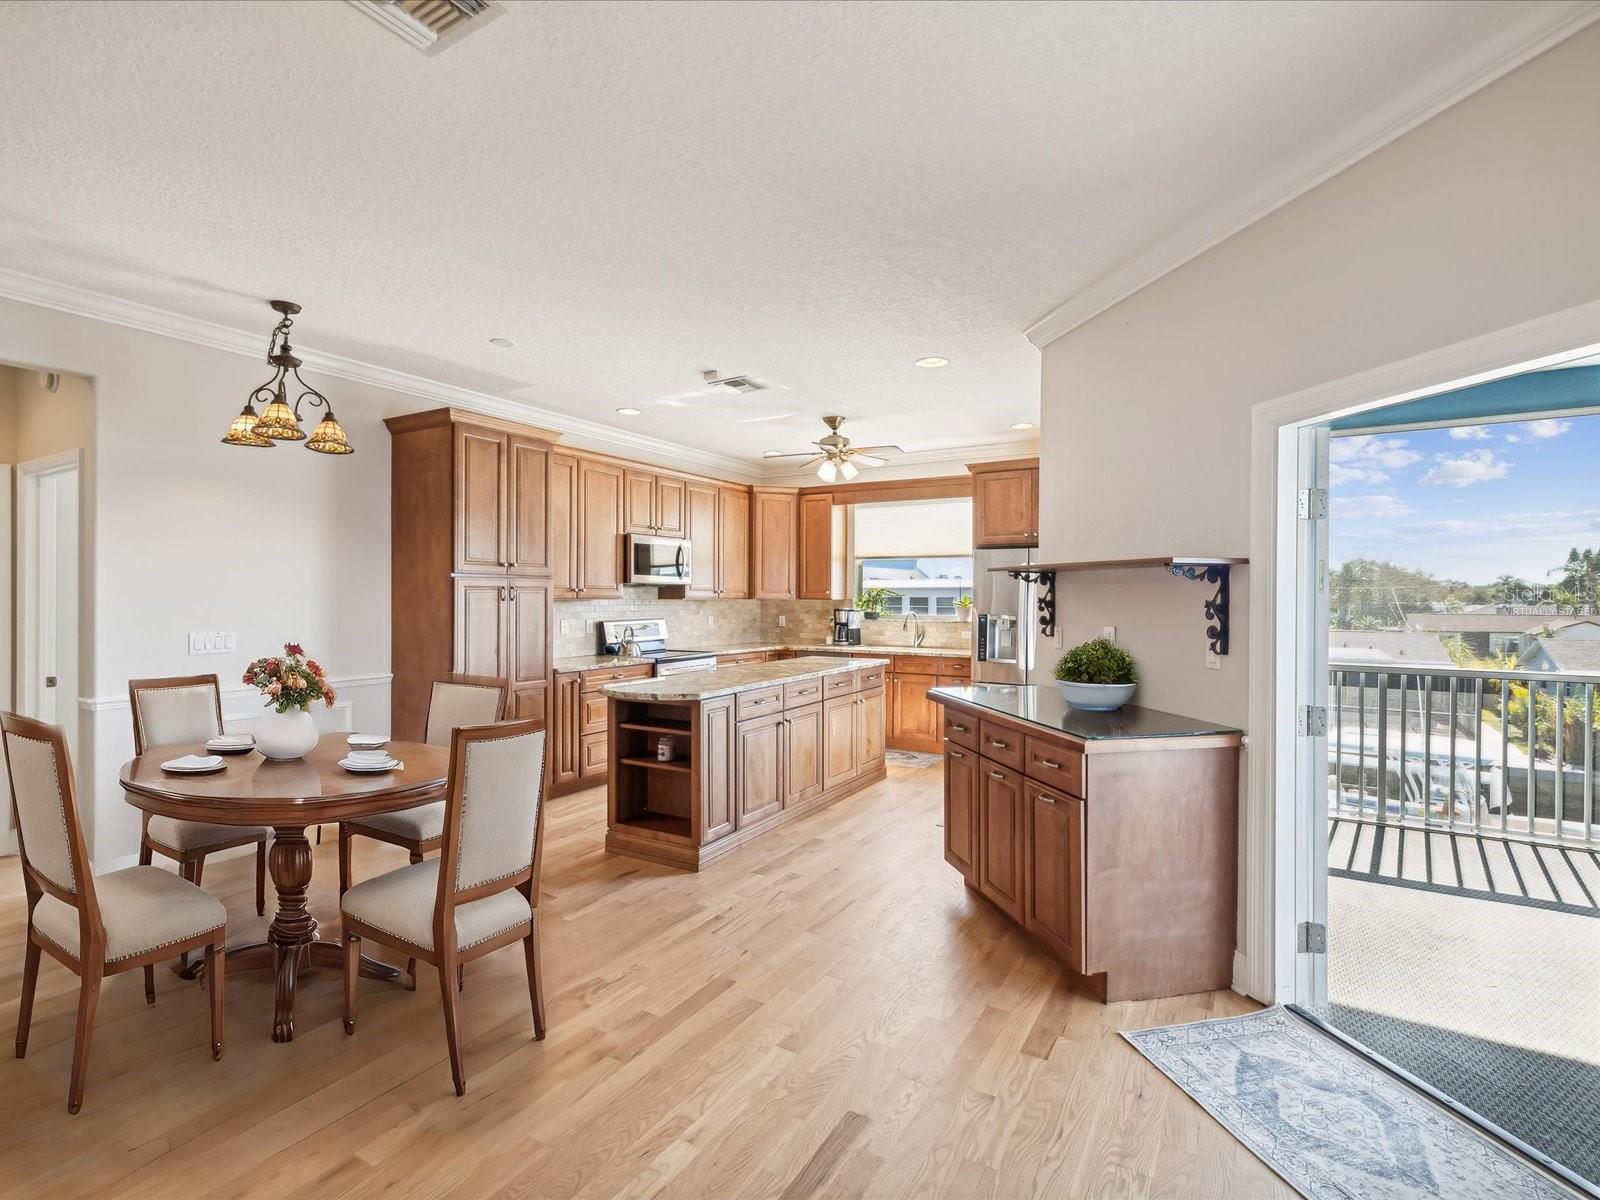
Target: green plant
[875, 600]
[963, 601]
[1098, 661]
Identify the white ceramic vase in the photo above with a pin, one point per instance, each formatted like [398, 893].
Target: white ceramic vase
[285, 736]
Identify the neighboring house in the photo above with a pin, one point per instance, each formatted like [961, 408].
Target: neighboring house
[1387, 647]
[1571, 629]
[1503, 631]
[1566, 655]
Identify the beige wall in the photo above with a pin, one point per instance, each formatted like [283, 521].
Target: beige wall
[1484, 217]
[38, 423]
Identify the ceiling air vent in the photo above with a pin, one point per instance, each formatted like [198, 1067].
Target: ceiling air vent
[430, 25]
[732, 383]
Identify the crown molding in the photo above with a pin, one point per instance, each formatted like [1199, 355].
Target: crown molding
[593, 435]
[1429, 98]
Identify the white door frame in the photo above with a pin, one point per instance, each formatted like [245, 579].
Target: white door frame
[29, 476]
[1276, 855]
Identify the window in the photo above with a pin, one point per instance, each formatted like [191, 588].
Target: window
[913, 557]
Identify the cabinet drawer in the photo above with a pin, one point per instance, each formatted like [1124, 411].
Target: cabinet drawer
[955, 668]
[961, 729]
[593, 754]
[593, 681]
[593, 713]
[759, 702]
[1053, 764]
[1000, 743]
[870, 677]
[733, 660]
[842, 684]
[915, 664]
[805, 691]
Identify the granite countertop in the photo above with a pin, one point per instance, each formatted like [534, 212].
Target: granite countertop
[592, 662]
[1046, 708]
[726, 681]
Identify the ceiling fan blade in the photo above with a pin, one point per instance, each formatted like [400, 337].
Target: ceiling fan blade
[878, 450]
[868, 460]
[801, 454]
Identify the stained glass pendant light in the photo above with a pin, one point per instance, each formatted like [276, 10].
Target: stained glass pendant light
[279, 422]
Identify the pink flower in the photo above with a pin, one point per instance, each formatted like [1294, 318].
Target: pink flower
[330, 696]
[274, 688]
[293, 648]
[295, 681]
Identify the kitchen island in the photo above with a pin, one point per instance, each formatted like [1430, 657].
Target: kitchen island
[1111, 838]
[703, 761]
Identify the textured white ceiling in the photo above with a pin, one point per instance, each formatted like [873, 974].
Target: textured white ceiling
[816, 194]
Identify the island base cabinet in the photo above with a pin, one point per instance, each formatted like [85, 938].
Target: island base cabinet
[1002, 839]
[1054, 910]
[759, 784]
[802, 755]
[961, 811]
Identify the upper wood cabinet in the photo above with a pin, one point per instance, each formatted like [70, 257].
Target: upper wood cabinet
[1005, 503]
[500, 485]
[527, 503]
[671, 497]
[821, 549]
[562, 508]
[653, 504]
[733, 543]
[772, 552]
[586, 513]
[700, 508]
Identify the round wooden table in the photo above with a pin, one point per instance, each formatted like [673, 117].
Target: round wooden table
[289, 796]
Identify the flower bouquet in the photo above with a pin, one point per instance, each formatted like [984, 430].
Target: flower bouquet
[290, 682]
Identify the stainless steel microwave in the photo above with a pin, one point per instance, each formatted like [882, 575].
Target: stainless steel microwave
[658, 561]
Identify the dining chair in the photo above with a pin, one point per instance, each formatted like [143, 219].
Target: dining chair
[94, 926]
[482, 892]
[456, 700]
[188, 708]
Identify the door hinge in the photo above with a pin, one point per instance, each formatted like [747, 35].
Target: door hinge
[1311, 937]
[1312, 504]
[1311, 720]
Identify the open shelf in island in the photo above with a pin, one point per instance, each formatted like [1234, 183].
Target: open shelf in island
[749, 747]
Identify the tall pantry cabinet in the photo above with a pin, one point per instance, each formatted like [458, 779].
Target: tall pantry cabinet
[470, 566]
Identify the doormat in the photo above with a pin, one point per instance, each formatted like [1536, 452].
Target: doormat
[911, 758]
[1334, 1125]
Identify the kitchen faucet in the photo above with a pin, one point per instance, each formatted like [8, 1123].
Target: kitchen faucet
[914, 623]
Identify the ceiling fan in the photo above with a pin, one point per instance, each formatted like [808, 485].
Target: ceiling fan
[834, 456]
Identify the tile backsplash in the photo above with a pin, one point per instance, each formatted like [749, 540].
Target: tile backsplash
[695, 623]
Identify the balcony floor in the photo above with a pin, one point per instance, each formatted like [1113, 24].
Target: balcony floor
[1474, 963]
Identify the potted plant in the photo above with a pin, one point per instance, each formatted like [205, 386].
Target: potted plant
[964, 607]
[290, 682]
[874, 601]
[1097, 676]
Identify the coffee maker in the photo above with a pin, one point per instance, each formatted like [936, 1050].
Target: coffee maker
[847, 627]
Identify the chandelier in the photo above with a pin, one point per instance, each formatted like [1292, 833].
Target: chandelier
[278, 422]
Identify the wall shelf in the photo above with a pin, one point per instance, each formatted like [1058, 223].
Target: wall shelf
[1205, 570]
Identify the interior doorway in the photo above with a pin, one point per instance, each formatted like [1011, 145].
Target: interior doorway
[1447, 893]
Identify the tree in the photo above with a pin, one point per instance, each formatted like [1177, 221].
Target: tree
[1580, 574]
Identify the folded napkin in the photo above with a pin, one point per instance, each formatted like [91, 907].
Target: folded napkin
[192, 762]
[232, 739]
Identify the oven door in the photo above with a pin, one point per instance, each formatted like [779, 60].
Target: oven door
[658, 561]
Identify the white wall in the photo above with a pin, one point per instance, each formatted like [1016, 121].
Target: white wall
[1484, 217]
[189, 534]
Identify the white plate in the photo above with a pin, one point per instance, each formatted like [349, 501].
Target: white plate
[232, 744]
[193, 764]
[366, 741]
[370, 768]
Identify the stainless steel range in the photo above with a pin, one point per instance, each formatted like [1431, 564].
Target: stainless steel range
[649, 640]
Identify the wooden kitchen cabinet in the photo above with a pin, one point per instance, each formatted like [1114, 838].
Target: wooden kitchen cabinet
[653, 504]
[802, 754]
[563, 731]
[1002, 838]
[758, 754]
[839, 746]
[733, 543]
[561, 508]
[772, 542]
[821, 543]
[481, 624]
[1005, 503]
[502, 630]
[527, 508]
[916, 717]
[871, 726]
[1054, 909]
[700, 519]
[579, 737]
[481, 471]
[597, 530]
[961, 810]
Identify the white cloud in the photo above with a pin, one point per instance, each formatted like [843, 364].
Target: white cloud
[1367, 459]
[1464, 470]
[1550, 427]
[1470, 433]
[1382, 505]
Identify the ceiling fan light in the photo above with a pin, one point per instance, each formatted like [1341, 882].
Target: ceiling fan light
[848, 469]
[329, 437]
[243, 430]
[827, 471]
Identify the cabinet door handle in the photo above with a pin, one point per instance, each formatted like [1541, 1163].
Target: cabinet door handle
[513, 593]
[502, 592]
[1046, 799]
[996, 775]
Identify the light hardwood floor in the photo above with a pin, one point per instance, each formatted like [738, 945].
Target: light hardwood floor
[826, 1012]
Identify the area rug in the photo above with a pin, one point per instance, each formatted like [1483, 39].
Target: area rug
[1335, 1126]
[910, 758]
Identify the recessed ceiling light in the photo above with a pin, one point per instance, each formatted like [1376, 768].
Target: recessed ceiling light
[933, 360]
[627, 412]
[1020, 425]
[772, 454]
[503, 343]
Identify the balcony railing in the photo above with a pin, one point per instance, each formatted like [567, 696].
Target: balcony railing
[1508, 752]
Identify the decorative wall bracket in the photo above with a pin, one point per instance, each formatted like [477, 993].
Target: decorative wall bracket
[1046, 603]
[1217, 606]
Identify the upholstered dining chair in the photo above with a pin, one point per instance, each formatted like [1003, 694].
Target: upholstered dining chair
[94, 926]
[188, 708]
[456, 700]
[482, 892]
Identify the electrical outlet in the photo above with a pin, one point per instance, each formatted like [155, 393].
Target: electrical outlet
[1109, 632]
[1213, 661]
[783, 621]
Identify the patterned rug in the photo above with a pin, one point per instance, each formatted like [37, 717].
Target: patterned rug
[1332, 1124]
[911, 758]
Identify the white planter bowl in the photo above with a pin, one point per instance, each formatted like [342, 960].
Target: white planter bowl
[1097, 697]
[286, 736]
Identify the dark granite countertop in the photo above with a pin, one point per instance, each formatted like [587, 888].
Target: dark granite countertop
[1046, 708]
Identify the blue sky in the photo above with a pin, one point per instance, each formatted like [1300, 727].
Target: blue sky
[1473, 502]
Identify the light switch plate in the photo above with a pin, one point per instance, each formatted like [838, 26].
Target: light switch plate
[1213, 661]
[783, 621]
[216, 642]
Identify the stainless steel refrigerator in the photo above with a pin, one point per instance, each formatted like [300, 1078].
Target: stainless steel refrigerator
[1007, 619]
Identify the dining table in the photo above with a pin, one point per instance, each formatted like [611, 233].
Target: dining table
[290, 796]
